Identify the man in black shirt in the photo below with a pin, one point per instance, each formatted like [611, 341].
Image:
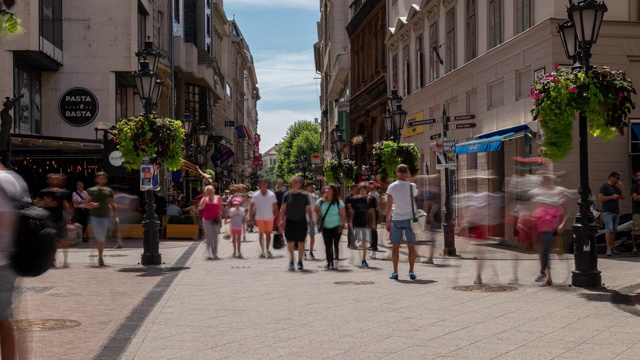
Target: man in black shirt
[294, 213]
[635, 202]
[610, 194]
[55, 200]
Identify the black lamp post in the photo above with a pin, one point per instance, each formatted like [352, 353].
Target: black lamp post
[203, 142]
[338, 141]
[302, 164]
[149, 87]
[394, 119]
[578, 34]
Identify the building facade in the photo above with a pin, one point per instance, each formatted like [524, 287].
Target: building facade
[479, 58]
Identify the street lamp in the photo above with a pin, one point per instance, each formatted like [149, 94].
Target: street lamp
[302, 164]
[395, 117]
[577, 39]
[149, 87]
[338, 141]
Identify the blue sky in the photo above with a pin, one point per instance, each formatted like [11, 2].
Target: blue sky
[281, 34]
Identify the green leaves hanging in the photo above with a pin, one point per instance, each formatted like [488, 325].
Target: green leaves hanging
[389, 155]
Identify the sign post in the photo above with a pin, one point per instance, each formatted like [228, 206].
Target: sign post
[447, 226]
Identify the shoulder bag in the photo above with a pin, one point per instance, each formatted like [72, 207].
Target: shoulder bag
[321, 222]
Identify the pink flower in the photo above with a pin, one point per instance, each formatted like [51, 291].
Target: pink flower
[573, 89]
[620, 95]
[531, 90]
[554, 80]
[556, 65]
[548, 76]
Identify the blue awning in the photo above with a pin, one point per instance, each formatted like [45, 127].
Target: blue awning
[493, 143]
[636, 129]
[510, 130]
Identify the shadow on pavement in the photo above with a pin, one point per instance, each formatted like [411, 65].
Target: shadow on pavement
[152, 271]
[417, 282]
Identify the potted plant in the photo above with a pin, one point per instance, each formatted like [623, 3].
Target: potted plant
[390, 154]
[348, 171]
[603, 96]
[332, 171]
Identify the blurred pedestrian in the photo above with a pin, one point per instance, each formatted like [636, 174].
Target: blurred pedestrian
[313, 198]
[99, 202]
[12, 186]
[374, 201]
[635, 204]
[126, 205]
[173, 209]
[353, 191]
[264, 205]
[80, 209]
[212, 210]
[294, 213]
[54, 199]
[610, 194]
[331, 213]
[236, 215]
[361, 219]
[400, 210]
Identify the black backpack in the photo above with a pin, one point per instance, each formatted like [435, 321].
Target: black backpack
[35, 239]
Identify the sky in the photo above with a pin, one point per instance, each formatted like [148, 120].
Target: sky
[281, 34]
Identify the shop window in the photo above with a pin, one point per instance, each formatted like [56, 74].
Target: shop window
[28, 112]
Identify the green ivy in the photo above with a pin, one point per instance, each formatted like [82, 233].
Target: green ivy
[389, 155]
[332, 171]
[603, 96]
[159, 138]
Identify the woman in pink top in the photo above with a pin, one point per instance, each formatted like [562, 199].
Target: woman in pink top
[212, 210]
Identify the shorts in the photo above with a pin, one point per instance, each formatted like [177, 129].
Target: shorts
[362, 234]
[635, 227]
[236, 231]
[610, 221]
[100, 227]
[296, 230]
[398, 227]
[7, 282]
[265, 226]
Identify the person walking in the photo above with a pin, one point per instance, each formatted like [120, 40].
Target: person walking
[236, 216]
[313, 198]
[400, 211]
[54, 199]
[13, 188]
[610, 194]
[212, 210]
[81, 213]
[353, 191]
[374, 206]
[264, 208]
[294, 213]
[331, 213]
[361, 219]
[99, 201]
[635, 204]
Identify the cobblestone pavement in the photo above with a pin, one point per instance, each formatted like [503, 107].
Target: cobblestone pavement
[255, 308]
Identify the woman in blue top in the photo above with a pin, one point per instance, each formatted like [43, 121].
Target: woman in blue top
[331, 213]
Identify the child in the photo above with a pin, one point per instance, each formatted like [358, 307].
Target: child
[236, 217]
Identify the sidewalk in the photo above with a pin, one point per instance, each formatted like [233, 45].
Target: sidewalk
[257, 309]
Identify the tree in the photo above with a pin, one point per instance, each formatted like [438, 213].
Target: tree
[302, 136]
[269, 173]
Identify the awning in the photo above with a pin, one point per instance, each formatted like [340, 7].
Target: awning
[194, 169]
[492, 141]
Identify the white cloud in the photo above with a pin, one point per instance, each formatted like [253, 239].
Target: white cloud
[288, 77]
[273, 125]
[304, 4]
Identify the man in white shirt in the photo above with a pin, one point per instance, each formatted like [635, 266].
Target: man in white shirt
[400, 198]
[265, 206]
[81, 211]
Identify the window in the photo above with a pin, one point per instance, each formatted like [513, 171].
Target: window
[405, 70]
[450, 41]
[394, 71]
[495, 23]
[523, 15]
[435, 55]
[634, 138]
[472, 102]
[176, 11]
[471, 48]
[142, 29]
[419, 63]
[496, 94]
[28, 112]
[524, 83]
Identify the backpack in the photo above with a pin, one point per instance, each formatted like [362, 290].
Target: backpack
[35, 239]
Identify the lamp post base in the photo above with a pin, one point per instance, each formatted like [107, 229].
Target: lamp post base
[591, 279]
[150, 226]
[586, 273]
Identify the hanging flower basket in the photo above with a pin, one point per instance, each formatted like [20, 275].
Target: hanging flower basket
[348, 170]
[159, 138]
[603, 96]
[332, 172]
[389, 155]
[357, 140]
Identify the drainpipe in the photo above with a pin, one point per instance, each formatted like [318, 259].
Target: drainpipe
[172, 88]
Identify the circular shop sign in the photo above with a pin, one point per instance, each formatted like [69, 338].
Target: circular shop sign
[116, 158]
[78, 106]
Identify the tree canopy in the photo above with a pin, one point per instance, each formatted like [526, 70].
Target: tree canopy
[302, 137]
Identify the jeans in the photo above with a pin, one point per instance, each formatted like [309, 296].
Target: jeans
[331, 239]
[211, 231]
[546, 238]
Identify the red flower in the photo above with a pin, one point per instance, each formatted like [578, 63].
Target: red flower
[554, 80]
[556, 65]
[573, 89]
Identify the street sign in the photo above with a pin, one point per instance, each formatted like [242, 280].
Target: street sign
[461, 126]
[256, 162]
[422, 122]
[435, 136]
[461, 117]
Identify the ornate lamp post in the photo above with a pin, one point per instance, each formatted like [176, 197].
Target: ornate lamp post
[203, 142]
[394, 119]
[149, 87]
[338, 141]
[302, 164]
[578, 34]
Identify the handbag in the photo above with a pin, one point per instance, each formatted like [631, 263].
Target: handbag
[321, 222]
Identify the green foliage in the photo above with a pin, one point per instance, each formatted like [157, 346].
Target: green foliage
[269, 173]
[209, 172]
[332, 171]
[9, 23]
[389, 155]
[348, 171]
[302, 137]
[159, 138]
[603, 96]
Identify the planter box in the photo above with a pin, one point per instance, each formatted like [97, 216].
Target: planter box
[126, 231]
[181, 231]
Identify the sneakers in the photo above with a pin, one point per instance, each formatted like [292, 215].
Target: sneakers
[609, 252]
[239, 256]
[118, 246]
[269, 254]
[262, 256]
[393, 276]
[300, 267]
[364, 264]
[291, 265]
[100, 262]
[412, 276]
[541, 277]
[614, 251]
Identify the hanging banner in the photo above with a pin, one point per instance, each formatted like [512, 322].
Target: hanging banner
[446, 153]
